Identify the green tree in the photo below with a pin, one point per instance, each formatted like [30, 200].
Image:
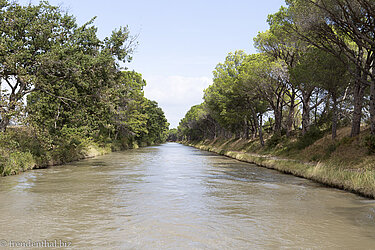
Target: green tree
[126, 100]
[28, 37]
[172, 135]
[263, 75]
[326, 72]
[342, 28]
[156, 124]
[196, 125]
[220, 98]
[43, 50]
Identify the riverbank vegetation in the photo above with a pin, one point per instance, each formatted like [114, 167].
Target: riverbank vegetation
[344, 163]
[307, 95]
[64, 93]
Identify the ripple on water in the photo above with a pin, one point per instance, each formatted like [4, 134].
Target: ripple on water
[177, 197]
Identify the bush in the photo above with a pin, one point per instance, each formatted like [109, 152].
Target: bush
[17, 162]
[330, 149]
[274, 140]
[8, 142]
[309, 138]
[370, 143]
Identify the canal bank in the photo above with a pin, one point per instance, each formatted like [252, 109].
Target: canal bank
[24, 152]
[358, 180]
[19, 161]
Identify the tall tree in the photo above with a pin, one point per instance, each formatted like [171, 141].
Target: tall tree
[219, 96]
[342, 27]
[326, 72]
[42, 49]
[267, 74]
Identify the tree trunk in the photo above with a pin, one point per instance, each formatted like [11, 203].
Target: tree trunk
[252, 129]
[305, 119]
[334, 116]
[237, 134]
[306, 111]
[255, 126]
[372, 107]
[358, 104]
[4, 123]
[291, 114]
[247, 129]
[261, 130]
[316, 105]
[277, 115]
[215, 130]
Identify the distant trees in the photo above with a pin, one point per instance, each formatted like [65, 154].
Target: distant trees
[72, 79]
[315, 68]
[172, 135]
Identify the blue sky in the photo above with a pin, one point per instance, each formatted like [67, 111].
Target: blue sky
[180, 42]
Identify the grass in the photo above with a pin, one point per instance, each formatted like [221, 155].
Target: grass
[346, 163]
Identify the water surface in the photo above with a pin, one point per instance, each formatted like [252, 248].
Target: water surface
[177, 197]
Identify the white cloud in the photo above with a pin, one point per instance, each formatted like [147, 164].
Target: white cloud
[176, 94]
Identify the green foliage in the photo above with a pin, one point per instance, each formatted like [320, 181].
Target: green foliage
[370, 143]
[17, 162]
[196, 124]
[347, 140]
[126, 102]
[7, 142]
[156, 124]
[268, 124]
[172, 135]
[77, 94]
[309, 138]
[312, 70]
[274, 140]
[221, 97]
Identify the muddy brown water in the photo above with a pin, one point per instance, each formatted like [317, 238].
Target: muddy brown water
[176, 197]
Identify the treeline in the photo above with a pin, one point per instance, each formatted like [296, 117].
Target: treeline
[66, 86]
[314, 71]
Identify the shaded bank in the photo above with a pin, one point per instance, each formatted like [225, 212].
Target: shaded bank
[349, 177]
[21, 150]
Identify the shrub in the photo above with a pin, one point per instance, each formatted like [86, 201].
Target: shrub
[330, 149]
[315, 157]
[370, 143]
[17, 162]
[309, 138]
[347, 140]
[274, 140]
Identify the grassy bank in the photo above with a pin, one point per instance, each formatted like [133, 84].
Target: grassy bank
[21, 150]
[345, 163]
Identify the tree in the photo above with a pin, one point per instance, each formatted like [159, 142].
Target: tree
[195, 125]
[219, 97]
[43, 50]
[28, 36]
[127, 101]
[342, 27]
[264, 75]
[326, 72]
[156, 124]
[172, 135]
[281, 43]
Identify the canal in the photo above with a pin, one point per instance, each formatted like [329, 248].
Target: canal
[177, 197]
